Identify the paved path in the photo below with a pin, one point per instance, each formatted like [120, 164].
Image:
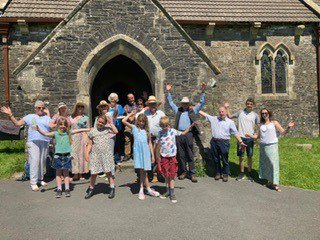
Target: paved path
[206, 210]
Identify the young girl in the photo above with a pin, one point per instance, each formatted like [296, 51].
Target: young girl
[168, 164]
[142, 151]
[100, 152]
[62, 157]
[269, 155]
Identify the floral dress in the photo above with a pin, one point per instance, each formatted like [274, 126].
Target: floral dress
[79, 142]
[101, 156]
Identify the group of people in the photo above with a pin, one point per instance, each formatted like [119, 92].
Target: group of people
[143, 132]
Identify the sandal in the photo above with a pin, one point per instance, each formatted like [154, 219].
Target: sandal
[277, 188]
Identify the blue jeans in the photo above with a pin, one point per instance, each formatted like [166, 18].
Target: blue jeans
[220, 152]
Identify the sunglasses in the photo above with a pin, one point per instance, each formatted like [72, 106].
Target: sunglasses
[265, 113]
[41, 108]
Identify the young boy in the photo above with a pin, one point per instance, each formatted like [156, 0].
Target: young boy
[168, 164]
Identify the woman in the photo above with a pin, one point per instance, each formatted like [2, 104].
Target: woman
[37, 144]
[269, 155]
[62, 112]
[117, 111]
[79, 141]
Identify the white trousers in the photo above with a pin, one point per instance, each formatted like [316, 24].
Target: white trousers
[37, 153]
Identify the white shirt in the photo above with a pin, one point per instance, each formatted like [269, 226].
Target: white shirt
[154, 121]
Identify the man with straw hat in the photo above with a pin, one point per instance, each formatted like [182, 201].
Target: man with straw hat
[184, 118]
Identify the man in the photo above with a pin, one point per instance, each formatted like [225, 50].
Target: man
[37, 144]
[247, 123]
[184, 118]
[127, 131]
[221, 127]
[153, 115]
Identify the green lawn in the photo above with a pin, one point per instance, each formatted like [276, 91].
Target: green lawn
[298, 167]
[12, 158]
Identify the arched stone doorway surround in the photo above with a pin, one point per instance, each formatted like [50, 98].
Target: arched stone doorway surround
[118, 45]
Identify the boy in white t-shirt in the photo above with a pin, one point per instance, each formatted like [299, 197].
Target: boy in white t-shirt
[248, 121]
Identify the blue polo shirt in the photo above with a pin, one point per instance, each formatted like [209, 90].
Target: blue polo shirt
[42, 121]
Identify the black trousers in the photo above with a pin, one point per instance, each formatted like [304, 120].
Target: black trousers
[185, 153]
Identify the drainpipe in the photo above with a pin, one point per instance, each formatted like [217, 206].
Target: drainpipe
[318, 70]
[4, 31]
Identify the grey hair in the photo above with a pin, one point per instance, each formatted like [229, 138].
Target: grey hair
[113, 95]
[38, 102]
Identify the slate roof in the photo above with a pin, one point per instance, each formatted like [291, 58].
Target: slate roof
[185, 10]
[40, 8]
[239, 10]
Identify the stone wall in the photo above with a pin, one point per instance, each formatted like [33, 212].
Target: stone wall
[55, 72]
[234, 52]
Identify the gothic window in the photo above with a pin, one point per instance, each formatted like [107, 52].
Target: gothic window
[280, 72]
[266, 73]
[274, 70]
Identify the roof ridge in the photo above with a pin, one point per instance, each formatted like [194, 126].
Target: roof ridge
[315, 8]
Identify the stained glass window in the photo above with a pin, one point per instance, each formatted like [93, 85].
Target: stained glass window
[266, 73]
[280, 72]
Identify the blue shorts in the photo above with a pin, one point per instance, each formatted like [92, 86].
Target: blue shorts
[62, 162]
[249, 148]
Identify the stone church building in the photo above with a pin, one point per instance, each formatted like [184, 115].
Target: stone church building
[76, 50]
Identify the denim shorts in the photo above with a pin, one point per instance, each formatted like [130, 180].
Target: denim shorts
[249, 148]
[62, 162]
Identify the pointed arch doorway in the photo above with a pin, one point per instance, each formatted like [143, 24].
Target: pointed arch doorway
[120, 75]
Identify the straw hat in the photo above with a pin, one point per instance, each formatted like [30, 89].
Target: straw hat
[61, 105]
[185, 100]
[151, 99]
[102, 103]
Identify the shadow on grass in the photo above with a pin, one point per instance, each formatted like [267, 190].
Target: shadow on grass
[9, 150]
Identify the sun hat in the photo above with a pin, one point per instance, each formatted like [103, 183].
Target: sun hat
[61, 104]
[151, 99]
[102, 103]
[185, 100]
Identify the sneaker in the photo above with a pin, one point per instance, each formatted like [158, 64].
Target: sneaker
[112, 193]
[102, 176]
[153, 193]
[173, 199]
[225, 177]
[164, 196]
[43, 184]
[217, 177]
[59, 193]
[67, 193]
[141, 196]
[250, 177]
[194, 179]
[182, 176]
[35, 187]
[89, 193]
[240, 177]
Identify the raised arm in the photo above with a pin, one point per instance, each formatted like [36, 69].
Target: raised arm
[203, 114]
[227, 107]
[8, 112]
[281, 130]
[75, 131]
[113, 127]
[47, 134]
[169, 98]
[125, 120]
[202, 102]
